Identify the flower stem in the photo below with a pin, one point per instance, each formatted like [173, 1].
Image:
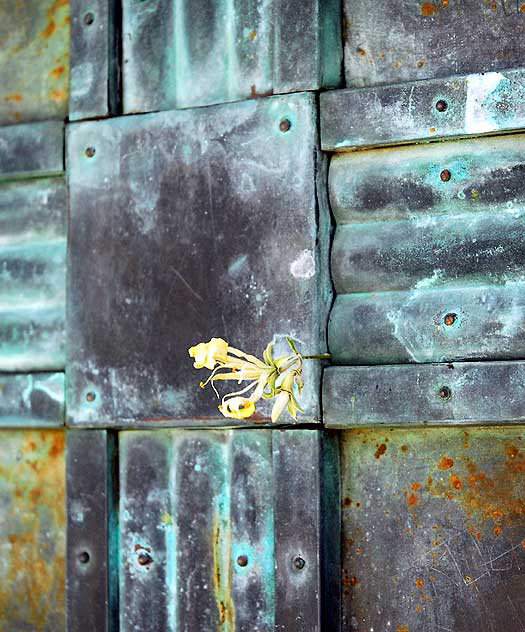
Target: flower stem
[318, 356]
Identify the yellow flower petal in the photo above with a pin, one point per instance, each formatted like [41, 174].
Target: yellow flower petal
[209, 354]
[237, 408]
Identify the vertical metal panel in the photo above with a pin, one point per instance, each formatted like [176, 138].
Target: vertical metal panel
[187, 54]
[32, 399]
[33, 274]
[32, 530]
[94, 33]
[91, 540]
[34, 60]
[159, 230]
[434, 529]
[386, 115]
[191, 503]
[35, 149]
[411, 40]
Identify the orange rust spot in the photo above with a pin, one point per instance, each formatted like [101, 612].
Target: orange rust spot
[429, 481]
[455, 482]
[381, 449]
[354, 581]
[444, 3]
[446, 463]
[57, 446]
[412, 500]
[474, 532]
[432, 130]
[497, 530]
[522, 8]
[360, 51]
[58, 4]
[404, 448]
[66, 21]
[415, 486]
[252, 35]
[523, 544]
[254, 94]
[512, 451]
[494, 6]
[349, 542]
[35, 494]
[428, 8]
[347, 502]
[14, 97]
[421, 63]
[358, 504]
[50, 29]
[419, 582]
[418, 608]
[402, 628]
[57, 72]
[57, 95]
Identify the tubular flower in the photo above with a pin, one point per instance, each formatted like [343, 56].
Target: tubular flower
[266, 378]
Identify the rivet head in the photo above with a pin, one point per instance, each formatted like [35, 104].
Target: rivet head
[445, 393]
[445, 175]
[144, 558]
[298, 563]
[285, 125]
[91, 397]
[90, 152]
[441, 105]
[89, 18]
[83, 557]
[450, 319]
[242, 560]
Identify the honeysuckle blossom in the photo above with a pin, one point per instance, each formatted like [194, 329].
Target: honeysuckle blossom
[277, 378]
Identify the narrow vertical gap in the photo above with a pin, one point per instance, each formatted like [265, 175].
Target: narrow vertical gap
[115, 61]
[113, 548]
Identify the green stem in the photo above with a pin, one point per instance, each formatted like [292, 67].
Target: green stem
[318, 356]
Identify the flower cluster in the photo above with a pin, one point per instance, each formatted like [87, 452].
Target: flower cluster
[268, 378]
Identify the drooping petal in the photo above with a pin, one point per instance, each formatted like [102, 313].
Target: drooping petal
[280, 404]
[209, 354]
[237, 408]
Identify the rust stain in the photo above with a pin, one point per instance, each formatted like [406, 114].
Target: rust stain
[57, 95]
[14, 97]
[428, 9]
[415, 486]
[221, 584]
[49, 30]
[347, 502]
[522, 8]
[444, 3]
[252, 35]
[254, 94]
[402, 628]
[354, 581]
[57, 4]
[381, 449]
[432, 130]
[421, 63]
[445, 463]
[404, 448]
[455, 482]
[57, 72]
[412, 500]
[360, 51]
[57, 446]
[419, 582]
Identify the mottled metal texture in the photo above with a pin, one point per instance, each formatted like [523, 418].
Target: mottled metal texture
[30, 150]
[34, 60]
[433, 529]
[212, 525]
[33, 225]
[95, 32]
[411, 40]
[32, 399]
[427, 256]
[92, 532]
[32, 530]
[388, 115]
[453, 393]
[187, 225]
[199, 52]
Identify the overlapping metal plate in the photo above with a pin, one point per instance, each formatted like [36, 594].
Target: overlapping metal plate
[34, 58]
[187, 225]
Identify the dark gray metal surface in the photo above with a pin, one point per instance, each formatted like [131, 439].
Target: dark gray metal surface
[433, 529]
[187, 225]
[92, 549]
[453, 393]
[94, 72]
[388, 115]
[194, 53]
[31, 149]
[407, 40]
[32, 399]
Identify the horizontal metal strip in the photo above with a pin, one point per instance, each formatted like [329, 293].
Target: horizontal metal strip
[32, 400]
[423, 110]
[33, 149]
[429, 252]
[459, 393]
[429, 325]
[478, 174]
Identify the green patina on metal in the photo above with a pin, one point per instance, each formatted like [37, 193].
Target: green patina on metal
[32, 530]
[34, 57]
[32, 274]
[32, 399]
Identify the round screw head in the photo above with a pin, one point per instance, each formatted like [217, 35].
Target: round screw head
[144, 558]
[91, 397]
[285, 125]
[242, 560]
[445, 175]
[445, 393]
[83, 557]
[90, 152]
[450, 319]
[89, 18]
[298, 563]
[441, 105]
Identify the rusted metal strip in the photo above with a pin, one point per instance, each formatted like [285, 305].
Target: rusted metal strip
[423, 110]
[31, 149]
[92, 545]
[452, 393]
[94, 59]
[32, 399]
